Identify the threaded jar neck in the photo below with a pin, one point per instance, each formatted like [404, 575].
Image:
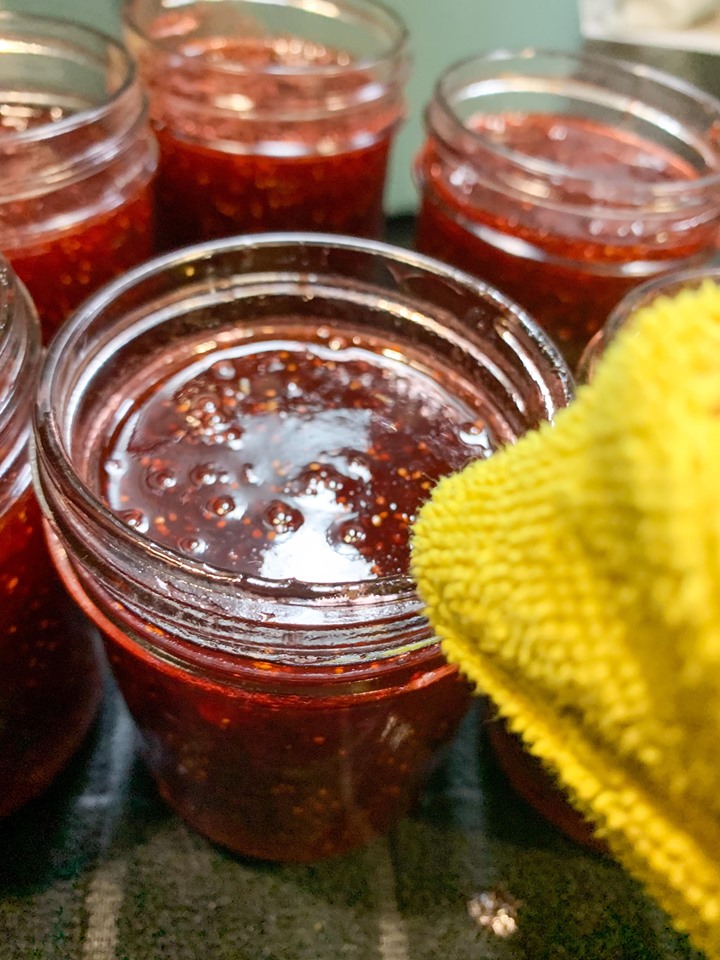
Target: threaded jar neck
[20, 359]
[72, 109]
[664, 131]
[274, 79]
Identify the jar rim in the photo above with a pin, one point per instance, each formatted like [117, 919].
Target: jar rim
[395, 49]
[442, 100]
[55, 27]
[20, 361]
[49, 431]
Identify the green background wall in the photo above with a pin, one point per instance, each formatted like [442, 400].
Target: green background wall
[442, 31]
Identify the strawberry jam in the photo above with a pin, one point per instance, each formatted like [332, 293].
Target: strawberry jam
[254, 428]
[64, 268]
[303, 460]
[49, 676]
[289, 459]
[567, 211]
[260, 129]
[76, 162]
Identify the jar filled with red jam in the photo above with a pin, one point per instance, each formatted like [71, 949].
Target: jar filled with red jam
[270, 114]
[232, 445]
[49, 679]
[77, 158]
[567, 180]
[668, 285]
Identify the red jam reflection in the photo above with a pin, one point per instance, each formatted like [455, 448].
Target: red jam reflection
[571, 275]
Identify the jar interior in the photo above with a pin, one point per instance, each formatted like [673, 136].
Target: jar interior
[637, 104]
[196, 306]
[362, 31]
[51, 69]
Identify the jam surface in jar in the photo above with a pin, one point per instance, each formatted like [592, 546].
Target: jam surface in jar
[567, 269]
[290, 459]
[266, 166]
[89, 242]
[50, 682]
[299, 457]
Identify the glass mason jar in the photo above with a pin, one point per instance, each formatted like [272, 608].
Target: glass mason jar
[566, 180]
[49, 680]
[76, 161]
[231, 445]
[271, 114]
[669, 285]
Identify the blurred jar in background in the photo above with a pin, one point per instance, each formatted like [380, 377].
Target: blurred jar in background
[76, 161]
[567, 180]
[270, 115]
[49, 679]
[666, 286]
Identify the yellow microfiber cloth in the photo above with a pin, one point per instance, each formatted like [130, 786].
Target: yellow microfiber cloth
[575, 578]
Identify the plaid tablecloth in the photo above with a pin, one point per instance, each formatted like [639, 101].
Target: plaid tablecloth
[99, 869]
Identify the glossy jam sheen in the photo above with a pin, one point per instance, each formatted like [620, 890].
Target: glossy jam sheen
[289, 458]
[62, 268]
[49, 679]
[228, 174]
[573, 297]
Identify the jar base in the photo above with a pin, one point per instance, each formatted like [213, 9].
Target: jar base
[535, 785]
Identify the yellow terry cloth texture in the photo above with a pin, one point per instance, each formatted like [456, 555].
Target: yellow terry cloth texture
[575, 578]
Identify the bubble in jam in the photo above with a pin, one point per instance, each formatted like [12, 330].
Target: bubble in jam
[292, 459]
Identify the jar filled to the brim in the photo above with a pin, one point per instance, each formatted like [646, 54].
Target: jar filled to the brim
[270, 115]
[49, 679]
[77, 159]
[232, 443]
[565, 180]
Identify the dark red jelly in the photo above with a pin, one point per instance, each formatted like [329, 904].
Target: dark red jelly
[76, 162]
[205, 193]
[49, 678]
[64, 268]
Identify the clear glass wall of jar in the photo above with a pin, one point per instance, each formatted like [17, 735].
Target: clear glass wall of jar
[77, 159]
[567, 180]
[270, 115]
[49, 680]
[231, 445]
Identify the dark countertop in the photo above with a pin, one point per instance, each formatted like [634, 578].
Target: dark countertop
[99, 869]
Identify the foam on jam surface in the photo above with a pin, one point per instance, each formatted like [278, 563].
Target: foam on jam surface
[289, 458]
